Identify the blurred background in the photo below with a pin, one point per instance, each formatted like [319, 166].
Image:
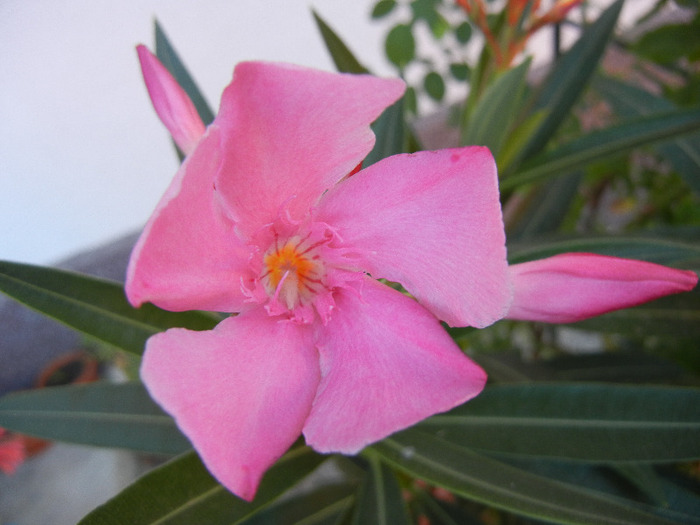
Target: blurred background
[83, 157]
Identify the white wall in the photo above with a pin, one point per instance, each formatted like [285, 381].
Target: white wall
[83, 158]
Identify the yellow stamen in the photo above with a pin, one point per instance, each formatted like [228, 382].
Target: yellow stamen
[290, 274]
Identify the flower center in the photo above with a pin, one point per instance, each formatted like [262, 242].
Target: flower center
[292, 272]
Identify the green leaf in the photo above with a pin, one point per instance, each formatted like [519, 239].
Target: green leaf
[583, 422]
[101, 414]
[93, 306]
[182, 492]
[390, 132]
[605, 143]
[342, 57]
[497, 484]
[400, 45]
[630, 102]
[566, 82]
[383, 8]
[410, 100]
[434, 86]
[671, 247]
[515, 141]
[441, 512]
[459, 71]
[463, 32]
[168, 56]
[645, 479]
[496, 110]
[380, 500]
[668, 43]
[672, 316]
[326, 505]
[546, 207]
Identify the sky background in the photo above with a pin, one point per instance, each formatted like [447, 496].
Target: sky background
[83, 157]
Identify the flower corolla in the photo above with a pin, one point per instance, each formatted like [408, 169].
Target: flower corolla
[263, 220]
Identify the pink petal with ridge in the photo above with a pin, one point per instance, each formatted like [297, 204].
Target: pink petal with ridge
[174, 108]
[431, 221]
[386, 363]
[574, 286]
[188, 256]
[289, 133]
[240, 392]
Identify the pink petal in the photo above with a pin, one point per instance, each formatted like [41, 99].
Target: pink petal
[574, 286]
[431, 221]
[386, 363]
[188, 256]
[240, 393]
[289, 133]
[173, 106]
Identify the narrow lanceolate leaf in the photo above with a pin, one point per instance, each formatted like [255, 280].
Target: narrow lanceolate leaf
[605, 143]
[582, 422]
[630, 101]
[96, 307]
[569, 77]
[673, 247]
[182, 492]
[100, 414]
[500, 485]
[380, 501]
[168, 56]
[545, 208]
[672, 316]
[497, 109]
[327, 505]
[342, 57]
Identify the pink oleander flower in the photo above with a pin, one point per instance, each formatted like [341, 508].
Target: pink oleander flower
[262, 221]
[12, 452]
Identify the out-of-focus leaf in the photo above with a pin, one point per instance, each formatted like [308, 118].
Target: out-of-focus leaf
[100, 414]
[434, 85]
[516, 140]
[379, 500]
[390, 132]
[645, 479]
[94, 306]
[611, 367]
[463, 32]
[410, 100]
[441, 512]
[682, 493]
[630, 101]
[168, 56]
[342, 57]
[383, 8]
[607, 142]
[569, 77]
[495, 483]
[672, 316]
[545, 208]
[496, 110]
[427, 10]
[324, 506]
[459, 71]
[583, 422]
[678, 247]
[400, 46]
[182, 492]
[668, 43]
